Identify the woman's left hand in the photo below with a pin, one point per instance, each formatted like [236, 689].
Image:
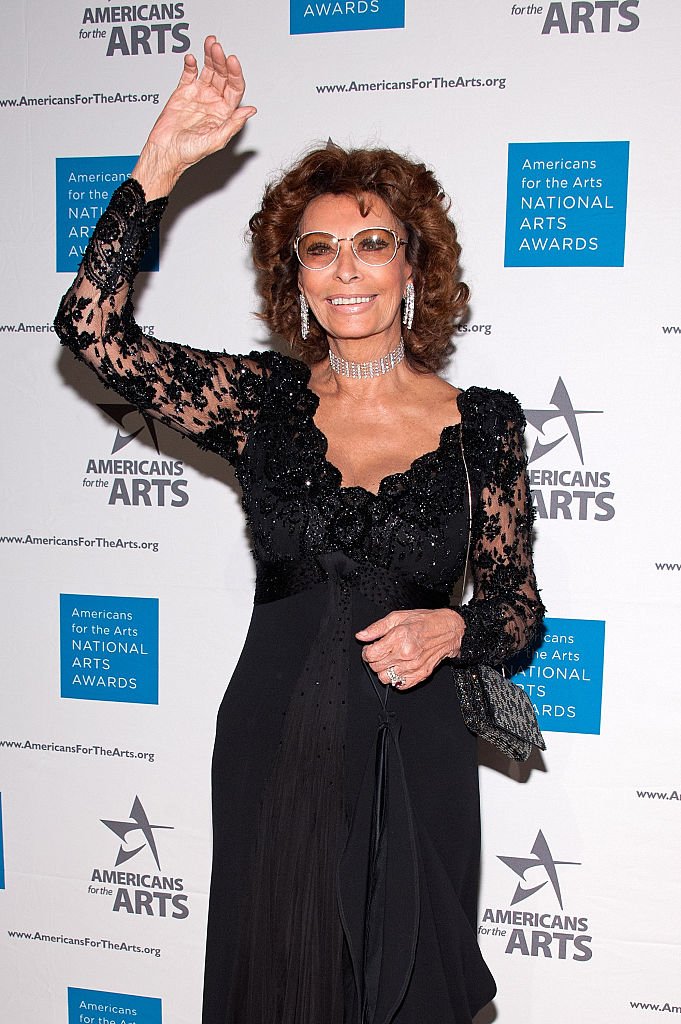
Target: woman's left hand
[411, 643]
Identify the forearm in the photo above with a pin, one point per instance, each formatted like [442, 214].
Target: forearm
[95, 318]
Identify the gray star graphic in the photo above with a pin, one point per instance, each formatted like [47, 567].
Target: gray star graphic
[118, 413]
[563, 409]
[138, 822]
[542, 857]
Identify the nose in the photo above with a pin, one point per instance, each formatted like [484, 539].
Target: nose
[347, 266]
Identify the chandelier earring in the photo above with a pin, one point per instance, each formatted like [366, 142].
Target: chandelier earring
[408, 312]
[304, 317]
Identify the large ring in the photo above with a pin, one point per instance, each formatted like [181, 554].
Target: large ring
[395, 679]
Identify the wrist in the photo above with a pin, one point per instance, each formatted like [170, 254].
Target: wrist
[457, 626]
[155, 172]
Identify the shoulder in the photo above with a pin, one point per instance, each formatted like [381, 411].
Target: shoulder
[274, 367]
[492, 424]
[491, 411]
[261, 375]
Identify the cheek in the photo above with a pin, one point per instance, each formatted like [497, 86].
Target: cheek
[395, 291]
[314, 285]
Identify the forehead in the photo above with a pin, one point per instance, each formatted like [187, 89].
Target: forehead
[342, 216]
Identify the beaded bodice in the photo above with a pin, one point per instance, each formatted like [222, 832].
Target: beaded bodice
[257, 411]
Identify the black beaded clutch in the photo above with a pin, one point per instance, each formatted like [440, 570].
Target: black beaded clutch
[496, 709]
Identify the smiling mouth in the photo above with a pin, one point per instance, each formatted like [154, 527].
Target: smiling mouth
[351, 300]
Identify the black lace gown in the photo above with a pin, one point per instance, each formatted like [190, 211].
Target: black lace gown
[345, 814]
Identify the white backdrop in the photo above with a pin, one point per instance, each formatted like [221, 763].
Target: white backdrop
[580, 890]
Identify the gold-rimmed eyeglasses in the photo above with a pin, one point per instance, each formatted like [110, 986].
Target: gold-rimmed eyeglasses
[317, 250]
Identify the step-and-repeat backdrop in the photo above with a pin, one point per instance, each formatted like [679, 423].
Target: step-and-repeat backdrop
[127, 575]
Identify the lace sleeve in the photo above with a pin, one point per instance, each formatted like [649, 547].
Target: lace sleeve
[209, 396]
[505, 614]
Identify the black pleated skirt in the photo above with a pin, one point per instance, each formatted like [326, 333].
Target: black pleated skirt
[259, 831]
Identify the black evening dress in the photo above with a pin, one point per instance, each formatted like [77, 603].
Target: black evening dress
[345, 813]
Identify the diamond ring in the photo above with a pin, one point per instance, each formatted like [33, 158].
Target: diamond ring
[395, 679]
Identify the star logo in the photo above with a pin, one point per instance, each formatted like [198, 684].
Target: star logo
[564, 410]
[541, 858]
[118, 413]
[138, 822]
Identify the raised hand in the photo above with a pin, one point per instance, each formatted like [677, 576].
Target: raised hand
[201, 116]
[412, 643]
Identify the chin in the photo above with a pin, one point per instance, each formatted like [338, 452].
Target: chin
[356, 331]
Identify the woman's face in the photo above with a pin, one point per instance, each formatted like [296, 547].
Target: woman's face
[378, 290]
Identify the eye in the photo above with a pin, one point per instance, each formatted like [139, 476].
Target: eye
[375, 242]
[318, 248]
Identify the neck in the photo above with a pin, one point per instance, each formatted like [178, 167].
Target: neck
[367, 349]
[367, 369]
[363, 389]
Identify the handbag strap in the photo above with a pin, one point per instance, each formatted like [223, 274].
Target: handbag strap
[469, 494]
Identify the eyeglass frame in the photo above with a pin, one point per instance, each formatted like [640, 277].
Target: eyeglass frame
[399, 242]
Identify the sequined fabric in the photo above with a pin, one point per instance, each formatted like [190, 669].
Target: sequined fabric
[496, 709]
[258, 412]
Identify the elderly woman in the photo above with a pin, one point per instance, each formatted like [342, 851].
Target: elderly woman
[345, 794]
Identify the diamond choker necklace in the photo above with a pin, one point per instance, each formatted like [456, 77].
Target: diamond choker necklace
[372, 368]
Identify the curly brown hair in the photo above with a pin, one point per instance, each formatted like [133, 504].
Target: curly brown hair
[415, 198]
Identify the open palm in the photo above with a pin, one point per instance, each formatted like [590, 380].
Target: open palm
[204, 111]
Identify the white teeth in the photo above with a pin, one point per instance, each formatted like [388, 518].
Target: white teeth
[351, 300]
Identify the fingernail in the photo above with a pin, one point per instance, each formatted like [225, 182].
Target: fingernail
[361, 633]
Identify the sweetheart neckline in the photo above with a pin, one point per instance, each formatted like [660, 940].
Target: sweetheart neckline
[335, 471]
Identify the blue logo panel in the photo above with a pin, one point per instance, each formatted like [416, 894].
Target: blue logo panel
[2, 851]
[565, 677]
[109, 648]
[90, 1006]
[345, 15]
[566, 204]
[84, 187]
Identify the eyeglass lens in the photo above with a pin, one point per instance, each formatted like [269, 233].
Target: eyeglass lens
[318, 249]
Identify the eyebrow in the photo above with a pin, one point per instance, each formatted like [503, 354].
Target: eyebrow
[345, 238]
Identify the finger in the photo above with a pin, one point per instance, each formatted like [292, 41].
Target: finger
[379, 628]
[392, 646]
[395, 643]
[236, 122]
[391, 651]
[401, 680]
[235, 75]
[231, 127]
[227, 75]
[218, 59]
[219, 64]
[189, 70]
[401, 665]
[229, 80]
[409, 669]
[410, 677]
[209, 56]
[382, 653]
[243, 114]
